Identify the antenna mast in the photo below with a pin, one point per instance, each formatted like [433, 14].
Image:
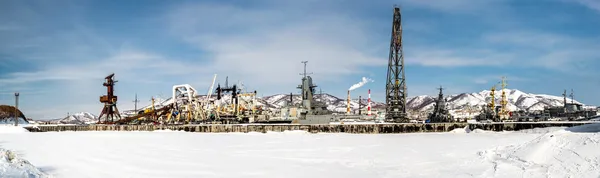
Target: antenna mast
[572, 97]
[305, 74]
[136, 101]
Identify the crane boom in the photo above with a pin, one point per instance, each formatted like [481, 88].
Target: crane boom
[211, 87]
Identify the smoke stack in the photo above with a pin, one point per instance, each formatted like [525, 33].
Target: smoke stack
[369, 104]
[291, 99]
[348, 105]
[359, 106]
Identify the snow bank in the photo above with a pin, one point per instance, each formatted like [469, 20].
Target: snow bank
[560, 153]
[593, 128]
[480, 131]
[540, 130]
[467, 130]
[12, 129]
[13, 166]
[11, 121]
[168, 130]
[288, 132]
[461, 130]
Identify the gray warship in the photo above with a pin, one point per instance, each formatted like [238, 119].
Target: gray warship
[440, 112]
[309, 111]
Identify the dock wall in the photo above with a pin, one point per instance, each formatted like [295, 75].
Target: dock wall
[338, 128]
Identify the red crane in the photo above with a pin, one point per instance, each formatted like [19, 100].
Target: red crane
[110, 101]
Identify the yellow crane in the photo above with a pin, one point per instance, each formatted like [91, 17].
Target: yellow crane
[503, 102]
[492, 104]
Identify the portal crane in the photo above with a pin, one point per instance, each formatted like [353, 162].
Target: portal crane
[504, 113]
[396, 81]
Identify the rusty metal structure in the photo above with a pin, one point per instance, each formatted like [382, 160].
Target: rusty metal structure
[110, 102]
[396, 85]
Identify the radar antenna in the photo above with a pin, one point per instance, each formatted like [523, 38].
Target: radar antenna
[305, 74]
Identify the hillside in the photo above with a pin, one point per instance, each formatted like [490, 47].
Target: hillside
[77, 118]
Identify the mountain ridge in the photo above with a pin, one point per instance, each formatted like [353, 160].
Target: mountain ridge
[458, 104]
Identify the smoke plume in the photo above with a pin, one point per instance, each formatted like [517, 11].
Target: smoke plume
[364, 81]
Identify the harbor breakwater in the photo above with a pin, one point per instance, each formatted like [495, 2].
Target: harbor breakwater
[385, 128]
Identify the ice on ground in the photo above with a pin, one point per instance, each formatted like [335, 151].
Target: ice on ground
[11, 165]
[12, 129]
[292, 154]
[571, 152]
[547, 152]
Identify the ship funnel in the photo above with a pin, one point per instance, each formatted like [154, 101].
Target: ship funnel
[369, 104]
[348, 105]
[359, 105]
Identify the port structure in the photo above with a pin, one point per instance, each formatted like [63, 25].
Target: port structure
[110, 101]
[234, 90]
[396, 85]
[504, 113]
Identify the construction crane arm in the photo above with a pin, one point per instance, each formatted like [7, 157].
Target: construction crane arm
[208, 95]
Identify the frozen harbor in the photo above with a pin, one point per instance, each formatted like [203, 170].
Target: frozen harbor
[553, 152]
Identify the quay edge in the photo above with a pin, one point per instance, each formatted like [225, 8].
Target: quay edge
[327, 128]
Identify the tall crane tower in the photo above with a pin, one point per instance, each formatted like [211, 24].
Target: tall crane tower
[504, 113]
[396, 85]
[110, 101]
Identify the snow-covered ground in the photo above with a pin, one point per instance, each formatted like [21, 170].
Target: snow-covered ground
[550, 152]
[11, 163]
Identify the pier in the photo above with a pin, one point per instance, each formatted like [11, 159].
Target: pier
[384, 128]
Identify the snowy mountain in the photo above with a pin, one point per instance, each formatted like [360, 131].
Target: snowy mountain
[77, 118]
[517, 100]
[458, 104]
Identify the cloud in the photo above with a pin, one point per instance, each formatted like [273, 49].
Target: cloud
[455, 6]
[562, 53]
[262, 43]
[494, 79]
[433, 90]
[270, 42]
[441, 57]
[520, 49]
[592, 4]
[127, 63]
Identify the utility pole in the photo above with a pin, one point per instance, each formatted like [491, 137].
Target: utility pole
[136, 101]
[17, 109]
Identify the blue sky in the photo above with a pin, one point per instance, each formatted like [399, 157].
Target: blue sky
[56, 53]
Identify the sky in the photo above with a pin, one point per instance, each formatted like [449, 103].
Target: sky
[57, 53]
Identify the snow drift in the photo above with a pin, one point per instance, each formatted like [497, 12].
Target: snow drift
[12, 165]
[570, 152]
[12, 129]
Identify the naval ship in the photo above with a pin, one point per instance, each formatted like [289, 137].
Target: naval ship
[309, 111]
